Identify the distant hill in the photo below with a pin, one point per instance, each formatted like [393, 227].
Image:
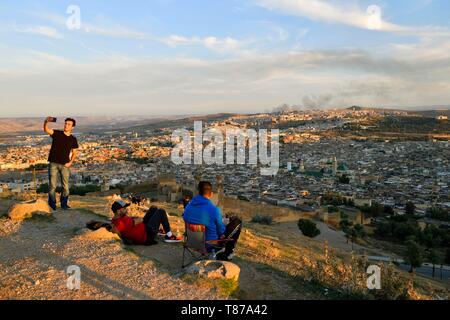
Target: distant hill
[23, 125]
[433, 113]
[141, 123]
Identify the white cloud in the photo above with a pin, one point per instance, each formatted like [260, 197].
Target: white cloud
[247, 84]
[221, 45]
[41, 30]
[213, 43]
[342, 12]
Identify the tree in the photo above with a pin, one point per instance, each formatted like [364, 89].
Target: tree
[439, 214]
[410, 208]
[308, 228]
[413, 255]
[344, 179]
[433, 258]
[332, 209]
[388, 210]
[345, 225]
[359, 231]
[431, 236]
[356, 232]
[375, 210]
[447, 256]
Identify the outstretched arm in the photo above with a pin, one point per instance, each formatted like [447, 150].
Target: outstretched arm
[46, 128]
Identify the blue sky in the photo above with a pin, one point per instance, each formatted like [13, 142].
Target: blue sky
[165, 57]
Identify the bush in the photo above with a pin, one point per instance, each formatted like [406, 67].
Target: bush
[262, 219]
[410, 208]
[332, 209]
[413, 254]
[439, 214]
[308, 228]
[447, 256]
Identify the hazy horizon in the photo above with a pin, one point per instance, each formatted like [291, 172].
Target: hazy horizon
[156, 116]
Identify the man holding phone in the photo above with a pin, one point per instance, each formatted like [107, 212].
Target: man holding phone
[62, 155]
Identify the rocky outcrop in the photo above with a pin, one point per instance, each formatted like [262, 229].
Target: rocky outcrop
[100, 234]
[214, 269]
[26, 210]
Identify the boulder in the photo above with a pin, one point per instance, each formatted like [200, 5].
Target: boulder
[26, 210]
[100, 234]
[215, 269]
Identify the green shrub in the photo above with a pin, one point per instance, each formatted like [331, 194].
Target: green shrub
[332, 209]
[262, 219]
[308, 228]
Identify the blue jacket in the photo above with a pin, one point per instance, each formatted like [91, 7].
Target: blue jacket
[202, 211]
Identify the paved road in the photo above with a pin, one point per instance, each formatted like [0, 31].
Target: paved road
[428, 271]
[425, 270]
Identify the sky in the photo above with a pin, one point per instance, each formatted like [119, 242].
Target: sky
[177, 57]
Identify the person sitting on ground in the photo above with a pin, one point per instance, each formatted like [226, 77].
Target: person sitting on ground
[143, 233]
[201, 210]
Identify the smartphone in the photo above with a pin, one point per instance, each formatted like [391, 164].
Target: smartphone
[52, 119]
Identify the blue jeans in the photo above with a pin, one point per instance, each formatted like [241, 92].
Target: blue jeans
[55, 169]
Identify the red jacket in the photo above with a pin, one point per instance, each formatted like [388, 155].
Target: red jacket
[128, 229]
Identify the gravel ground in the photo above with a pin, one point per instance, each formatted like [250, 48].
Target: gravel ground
[35, 254]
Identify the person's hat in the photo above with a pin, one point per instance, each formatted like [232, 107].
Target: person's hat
[116, 206]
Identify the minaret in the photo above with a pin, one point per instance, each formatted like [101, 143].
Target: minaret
[220, 194]
[302, 166]
[196, 182]
[334, 168]
[105, 185]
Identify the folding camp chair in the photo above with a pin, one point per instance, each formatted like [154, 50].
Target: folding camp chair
[195, 242]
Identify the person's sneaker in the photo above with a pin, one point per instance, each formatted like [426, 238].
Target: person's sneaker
[172, 239]
[161, 232]
[222, 256]
[66, 208]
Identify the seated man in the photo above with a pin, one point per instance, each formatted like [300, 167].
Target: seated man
[143, 233]
[202, 211]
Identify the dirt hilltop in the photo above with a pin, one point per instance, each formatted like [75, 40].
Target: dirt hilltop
[276, 262]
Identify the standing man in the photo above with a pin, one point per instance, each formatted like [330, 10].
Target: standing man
[62, 155]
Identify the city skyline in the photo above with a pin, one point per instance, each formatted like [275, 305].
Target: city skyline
[170, 57]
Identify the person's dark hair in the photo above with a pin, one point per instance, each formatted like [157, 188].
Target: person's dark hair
[205, 188]
[72, 120]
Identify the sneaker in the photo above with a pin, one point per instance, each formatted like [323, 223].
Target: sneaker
[161, 232]
[172, 239]
[66, 208]
[221, 256]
